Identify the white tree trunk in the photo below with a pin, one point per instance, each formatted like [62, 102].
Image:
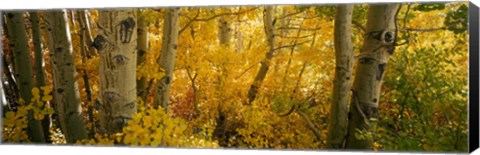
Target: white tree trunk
[224, 31]
[117, 46]
[343, 72]
[265, 65]
[23, 69]
[67, 95]
[377, 47]
[167, 58]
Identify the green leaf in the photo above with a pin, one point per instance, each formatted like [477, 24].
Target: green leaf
[430, 7]
[457, 21]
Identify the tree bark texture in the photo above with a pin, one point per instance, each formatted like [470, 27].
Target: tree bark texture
[117, 46]
[23, 69]
[83, 17]
[343, 72]
[377, 47]
[66, 92]
[38, 66]
[224, 31]
[84, 48]
[167, 57]
[142, 48]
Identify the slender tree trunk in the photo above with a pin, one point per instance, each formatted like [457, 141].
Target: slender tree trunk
[11, 89]
[23, 70]
[67, 95]
[167, 58]
[265, 65]
[289, 62]
[117, 46]
[39, 71]
[239, 39]
[84, 48]
[343, 71]
[83, 17]
[224, 32]
[377, 47]
[142, 48]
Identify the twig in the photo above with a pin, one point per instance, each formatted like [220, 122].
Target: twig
[406, 16]
[224, 14]
[189, 22]
[356, 23]
[246, 70]
[292, 14]
[424, 29]
[357, 105]
[286, 46]
[310, 125]
[289, 37]
[299, 28]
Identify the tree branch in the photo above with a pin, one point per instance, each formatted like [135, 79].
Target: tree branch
[289, 37]
[299, 28]
[246, 70]
[406, 16]
[286, 46]
[224, 14]
[310, 124]
[424, 29]
[292, 14]
[360, 26]
[189, 22]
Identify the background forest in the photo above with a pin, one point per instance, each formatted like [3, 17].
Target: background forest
[360, 76]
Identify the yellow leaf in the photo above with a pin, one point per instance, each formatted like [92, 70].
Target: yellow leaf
[47, 98]
[35, 92]
[119, 138]
[21, 101]
[10, 115]
[147, 122]
[50, 111]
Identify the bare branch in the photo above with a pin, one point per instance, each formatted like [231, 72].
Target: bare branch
[296, 37]
[424, 29]
[406, 16]
[224, 14]
[246, 70]
[310, 124]
[189, 22]
[360, 26]
[287, 46]
[292, 14]
[299, 28]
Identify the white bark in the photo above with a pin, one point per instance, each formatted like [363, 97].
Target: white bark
[343, 72]
[377, 46]
[224, 31]
[265, 65]
[117, 46]
[167, 58]
[67, 95]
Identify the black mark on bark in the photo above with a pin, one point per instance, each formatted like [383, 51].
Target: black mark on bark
[126, 29]
[367, 60]
[99, 42]
[381, 69]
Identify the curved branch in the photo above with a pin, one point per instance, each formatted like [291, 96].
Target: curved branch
[224, 14]
[292, 14]
[299, 28]
[359, 25]
[189, 22]
[286, 46]
[310, 124]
